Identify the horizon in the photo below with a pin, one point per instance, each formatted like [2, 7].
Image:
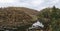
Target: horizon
[33, 4]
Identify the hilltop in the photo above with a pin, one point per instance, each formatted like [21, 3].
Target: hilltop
[26, 10]
[13, 17]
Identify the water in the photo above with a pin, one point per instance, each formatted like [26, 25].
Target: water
[37, 24]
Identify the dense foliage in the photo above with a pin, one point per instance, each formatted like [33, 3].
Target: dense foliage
[50, 17]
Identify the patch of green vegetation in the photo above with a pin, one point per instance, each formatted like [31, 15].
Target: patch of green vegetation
[50, 16]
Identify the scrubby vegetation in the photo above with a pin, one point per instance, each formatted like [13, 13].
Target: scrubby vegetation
[50, 18]
[16, 17]
[22, 18]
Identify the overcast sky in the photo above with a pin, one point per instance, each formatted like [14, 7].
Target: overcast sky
[34, 4]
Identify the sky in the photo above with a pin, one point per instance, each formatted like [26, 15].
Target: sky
[33, 4]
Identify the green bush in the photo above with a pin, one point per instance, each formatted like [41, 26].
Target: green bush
[50, 16]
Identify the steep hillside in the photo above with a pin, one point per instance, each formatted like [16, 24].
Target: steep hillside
[13, 17]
